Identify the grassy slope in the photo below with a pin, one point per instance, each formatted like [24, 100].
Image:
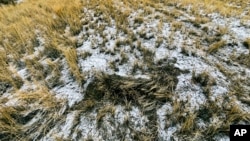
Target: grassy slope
[32, 24]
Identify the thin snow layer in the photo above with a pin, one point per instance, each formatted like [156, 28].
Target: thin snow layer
[165, 133]
[161, 53]
[70, 89]
[88, 127]
[186, 90]
[69, 122]
[221, 138]
[100, 61]
[189, 92]
[233, 24]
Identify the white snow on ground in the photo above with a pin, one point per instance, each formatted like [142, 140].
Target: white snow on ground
[221, 138]
[190, 92]
[161, 53]
[162, 112]
[137, 118]
[66, 128]
[88, 127]
[186, 89]
[98, 61]
[70, 90]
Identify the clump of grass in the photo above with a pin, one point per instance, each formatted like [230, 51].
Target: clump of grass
[216, 46]
[113, 66]
[35, 68]
[205, 113]
[158, 42]
[199, 20]
[120, 42]
[142, 33]
[5, 73]
[52, 51]
[85, 106]
[9, 128]
[188, 124]
[139, 20]
[52, 73]
[148, 55]
[246, 43]
[221, 31]
[203, 79]
[38, 105]
[136, 66]
[119, 89]
[212, 39]
[124, 58]
[194, 33]
[243, 59]
[184, 50]
[71, 57]
[103, 111]
[176, 26]
[85, 55]
[223, 70]
[205, 29]
[7, 2]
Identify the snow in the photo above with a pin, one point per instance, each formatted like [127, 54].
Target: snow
[88, 127]
[160, 53]
[70, 90]
[221, 138]
[19, 1]
[162, 112]
[69, 122]
[186, 90]
[137, 118]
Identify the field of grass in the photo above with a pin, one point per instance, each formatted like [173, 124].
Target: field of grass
[124, 69]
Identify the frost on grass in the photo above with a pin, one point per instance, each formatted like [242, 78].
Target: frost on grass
[148, 75]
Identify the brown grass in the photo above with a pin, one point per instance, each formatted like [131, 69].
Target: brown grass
[246, 43]
[49, 16]
[71, 57]
[22, 26]
[216, 46]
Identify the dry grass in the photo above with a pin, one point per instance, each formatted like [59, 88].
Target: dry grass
[119, 89]
[216, 46]
[16, 121]
[71, 57]
[58, 22]
[188, 125]
[49, 16]
[246, 43]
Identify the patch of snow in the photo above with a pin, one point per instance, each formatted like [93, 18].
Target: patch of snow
[137, 118]
[69, 122]
[221, 138]
[23, 73]
[120, 114]
[167, 134]
[160, 53]
[189, 92]
[162, 113]
[70, 90]
[88, 127]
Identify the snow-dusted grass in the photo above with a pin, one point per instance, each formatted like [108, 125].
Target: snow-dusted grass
[123, 70]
